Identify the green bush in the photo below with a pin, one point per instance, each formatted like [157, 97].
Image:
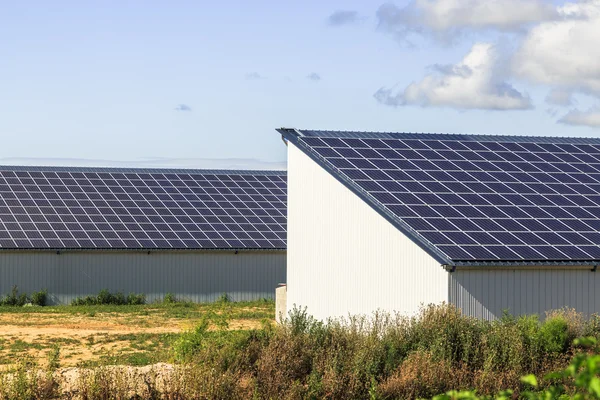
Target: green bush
[136, 298]
[39, 298]
[224, 298]
[14, 298]
[169, 298]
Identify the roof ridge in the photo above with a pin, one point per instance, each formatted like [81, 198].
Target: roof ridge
[447, 136]
[49, 168]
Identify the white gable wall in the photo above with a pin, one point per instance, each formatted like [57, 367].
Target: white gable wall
[344, 257]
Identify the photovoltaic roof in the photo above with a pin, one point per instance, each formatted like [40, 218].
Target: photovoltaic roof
[473, 198]
[110, 208]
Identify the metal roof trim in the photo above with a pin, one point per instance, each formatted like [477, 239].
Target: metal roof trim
[25, 168]
[443, 136]
[138, 250]
[293, 137]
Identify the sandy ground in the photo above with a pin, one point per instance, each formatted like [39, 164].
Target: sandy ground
[82, 337]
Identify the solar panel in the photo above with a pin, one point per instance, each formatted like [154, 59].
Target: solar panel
[88, 208]
[470, 197]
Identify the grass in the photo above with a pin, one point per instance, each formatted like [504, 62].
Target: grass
[95, 335]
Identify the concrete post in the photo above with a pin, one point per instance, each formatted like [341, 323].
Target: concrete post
[280, 302]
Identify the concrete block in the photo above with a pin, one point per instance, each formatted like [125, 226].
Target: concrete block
[280, 302]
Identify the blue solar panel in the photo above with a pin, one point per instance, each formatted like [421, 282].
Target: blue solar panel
[59, 208]
[474, 198]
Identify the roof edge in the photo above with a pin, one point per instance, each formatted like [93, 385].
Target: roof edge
[441, 136]
[34, 168]
[293, 135]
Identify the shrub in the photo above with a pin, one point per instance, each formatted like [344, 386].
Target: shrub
[420, 375]
[191, 342]
[136, 299]
[169, 298]
[39, 298]
[14, 298]
[553, 335]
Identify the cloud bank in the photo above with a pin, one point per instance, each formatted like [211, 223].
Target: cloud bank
[439, 17]
[474, 83]
[589, 118]
[556, 47]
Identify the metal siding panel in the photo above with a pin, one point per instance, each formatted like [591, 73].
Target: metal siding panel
[197, 276]
[534, 291]
[344, 257]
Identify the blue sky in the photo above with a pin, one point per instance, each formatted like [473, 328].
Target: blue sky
[181, 82]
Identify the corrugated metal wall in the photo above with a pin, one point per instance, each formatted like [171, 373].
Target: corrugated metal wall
[343, 257]
[485, 293]
[193, 275]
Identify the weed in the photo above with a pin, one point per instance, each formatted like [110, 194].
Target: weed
[54, 358]
[105, 297]
[169, 299]
[224, 298]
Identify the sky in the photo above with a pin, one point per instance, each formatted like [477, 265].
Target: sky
[204, 84]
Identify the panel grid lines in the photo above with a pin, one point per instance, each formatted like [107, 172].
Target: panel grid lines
[60, 208]
[478, 200]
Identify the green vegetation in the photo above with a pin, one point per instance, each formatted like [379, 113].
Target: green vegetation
[580, 380]
[104, 297]
[14, 298]
[437, 354]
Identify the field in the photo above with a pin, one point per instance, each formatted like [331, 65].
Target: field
[124, 335]
[235, 351]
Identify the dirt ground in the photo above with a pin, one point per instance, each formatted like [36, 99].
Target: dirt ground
[90, 338]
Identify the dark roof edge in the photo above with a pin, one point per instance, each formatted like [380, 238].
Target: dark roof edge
[292, 136]
[141, 170]
[592, 264]
[137, 250]
[443, 136]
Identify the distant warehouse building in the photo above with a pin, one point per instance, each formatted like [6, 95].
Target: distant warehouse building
[194, 233]
[488, 223]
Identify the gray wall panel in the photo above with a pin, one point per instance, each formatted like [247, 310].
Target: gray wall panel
[485, 293]
[194, 275]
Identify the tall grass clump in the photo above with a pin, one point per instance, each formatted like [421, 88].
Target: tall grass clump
[25, 381]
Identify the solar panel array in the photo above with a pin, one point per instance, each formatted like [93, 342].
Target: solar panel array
[65, 208]
[494, 199]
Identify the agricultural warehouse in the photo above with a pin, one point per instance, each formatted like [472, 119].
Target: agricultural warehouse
[488, 223]
[195, 234]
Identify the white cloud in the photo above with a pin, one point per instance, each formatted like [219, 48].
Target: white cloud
[564, 53]
[474, 83]
[560, 97]
[441, 16]
[590, 117]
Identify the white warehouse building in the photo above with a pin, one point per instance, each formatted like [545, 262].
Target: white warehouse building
[196, 234]
[393, 221]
